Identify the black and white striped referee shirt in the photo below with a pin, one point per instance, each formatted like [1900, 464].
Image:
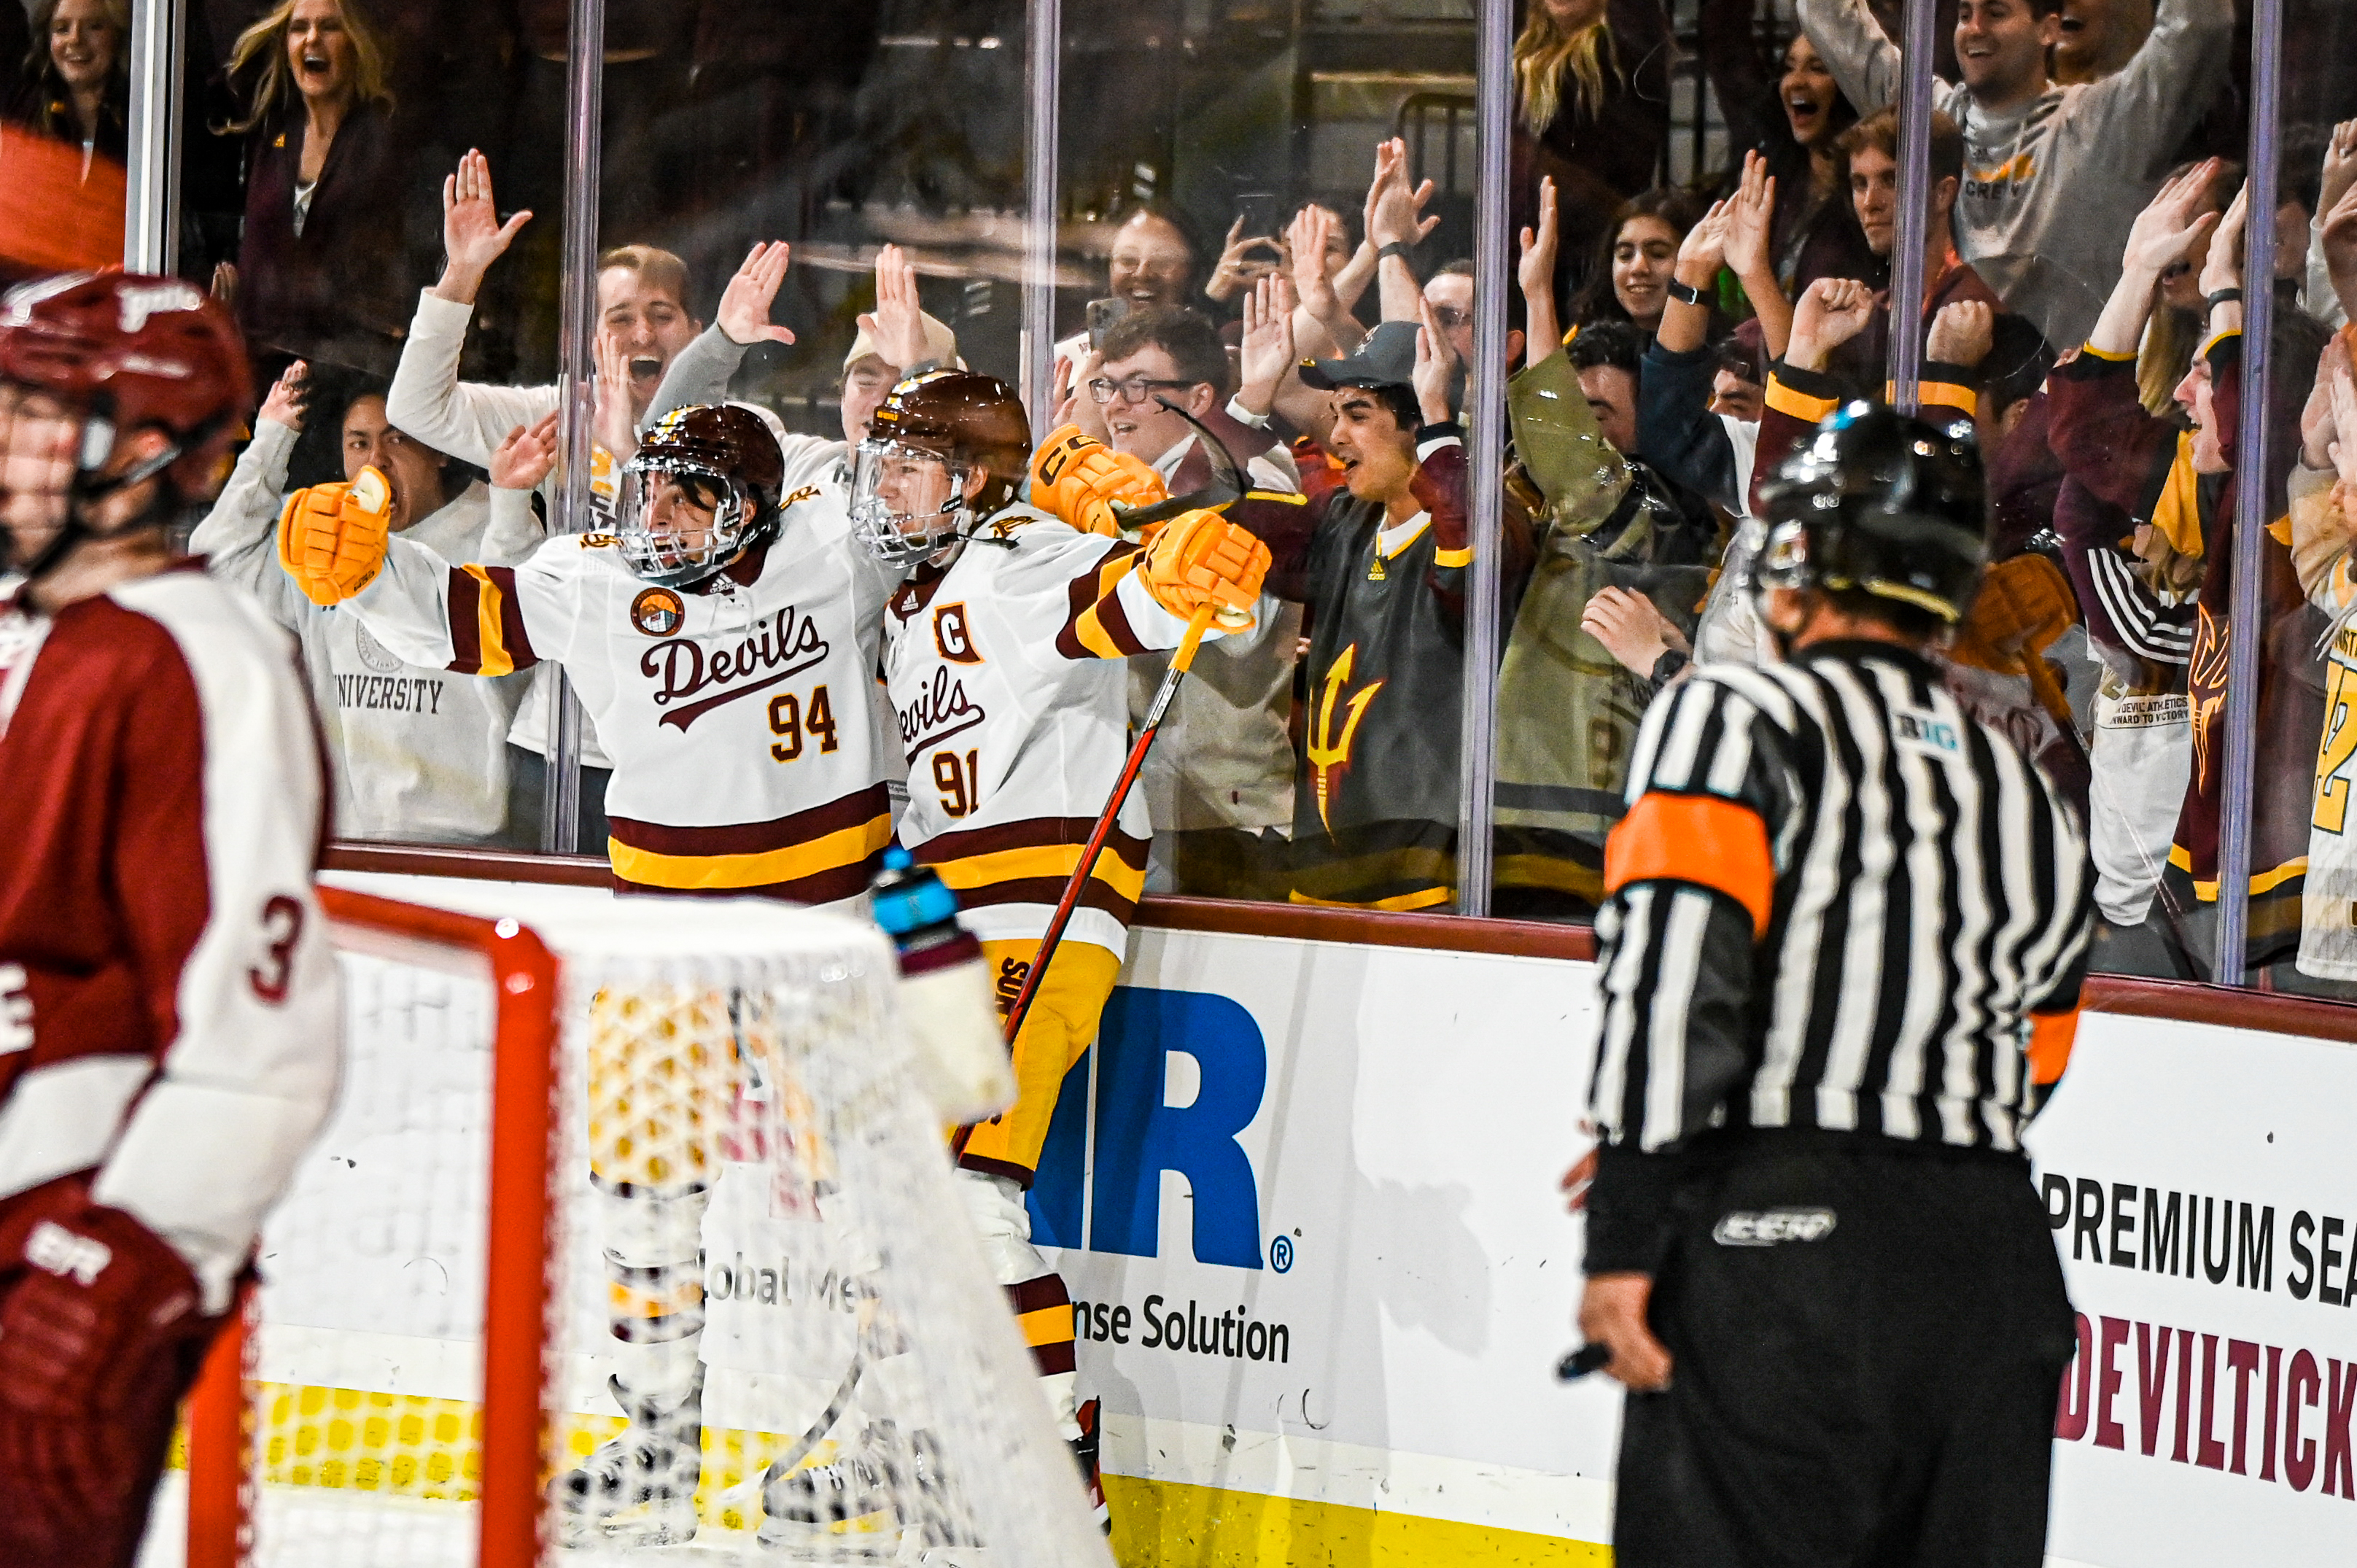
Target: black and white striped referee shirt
[1836, 902]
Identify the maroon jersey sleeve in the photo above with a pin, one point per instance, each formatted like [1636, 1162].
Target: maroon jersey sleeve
[182, 1013]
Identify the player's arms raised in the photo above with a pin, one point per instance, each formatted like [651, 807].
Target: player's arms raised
[470, 619]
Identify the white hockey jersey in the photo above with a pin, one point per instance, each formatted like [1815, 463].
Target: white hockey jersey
[1006, 675]
[420, 755]
[738, 714]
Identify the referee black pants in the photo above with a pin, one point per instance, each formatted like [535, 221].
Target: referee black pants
[1868, 1345]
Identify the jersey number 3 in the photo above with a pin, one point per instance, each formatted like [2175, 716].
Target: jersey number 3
[282, 923]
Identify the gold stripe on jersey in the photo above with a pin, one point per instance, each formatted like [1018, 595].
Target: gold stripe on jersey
[1101, 635]
[844, 847]
[1047, 1326]
[1798, 404]
[496, 659]
[1055, 861]
[1452, 557]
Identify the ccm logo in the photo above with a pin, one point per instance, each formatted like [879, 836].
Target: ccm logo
[1768, 1228]
[61, 1251]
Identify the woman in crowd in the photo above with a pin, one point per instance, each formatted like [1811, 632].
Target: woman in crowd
[1591, 90]
[1817, 233]
[324, 269]
[77, 80]
[1630, 280]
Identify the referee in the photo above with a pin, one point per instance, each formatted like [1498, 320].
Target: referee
[1841, 959]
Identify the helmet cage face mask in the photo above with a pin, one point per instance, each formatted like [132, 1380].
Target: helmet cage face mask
[667, 557]
[900, 537]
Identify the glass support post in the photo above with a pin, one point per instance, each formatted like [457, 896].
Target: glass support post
[152, 163]
[1043, 79]
[560, 821]
[1486, 455]
[2251, 501]
[1907, 280]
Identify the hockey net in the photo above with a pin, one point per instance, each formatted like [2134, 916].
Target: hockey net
[600, 1168]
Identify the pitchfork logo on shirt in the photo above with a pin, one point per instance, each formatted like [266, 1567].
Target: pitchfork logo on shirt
[1328, 744]
[658, 612]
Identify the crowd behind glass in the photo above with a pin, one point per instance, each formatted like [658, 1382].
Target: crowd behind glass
[1266, 221]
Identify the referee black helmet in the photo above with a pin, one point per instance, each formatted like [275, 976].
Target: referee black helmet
[1879, 503]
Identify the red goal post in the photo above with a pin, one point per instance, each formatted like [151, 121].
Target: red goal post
[523, 974]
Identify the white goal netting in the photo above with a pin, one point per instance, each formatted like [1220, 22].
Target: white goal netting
[771, 1333]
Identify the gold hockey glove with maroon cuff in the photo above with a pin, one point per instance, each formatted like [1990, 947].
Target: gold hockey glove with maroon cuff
[1202, 558]
[1079, 478]
[331, 538]
[98, 1302]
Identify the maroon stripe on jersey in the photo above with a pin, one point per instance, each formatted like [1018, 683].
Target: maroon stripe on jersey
[1093, 592]
[511, 632]
[1030, 1295]
[1023, 1176]
[1097, 895]
[466, 622]
[1116, 621]
[1052, 1359]
[754, 838]
[1032, 833]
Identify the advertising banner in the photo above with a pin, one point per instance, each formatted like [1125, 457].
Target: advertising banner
[1306, 1198]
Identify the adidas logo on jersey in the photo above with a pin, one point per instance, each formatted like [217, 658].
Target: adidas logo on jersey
[1772, 1227]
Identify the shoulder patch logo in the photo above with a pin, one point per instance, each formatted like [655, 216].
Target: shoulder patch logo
[658, 612]
[598, 542]
[953, 636]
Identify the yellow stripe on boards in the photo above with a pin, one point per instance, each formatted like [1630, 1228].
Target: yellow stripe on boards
[844, 846]
[1171, 1524]
[496, 660]
[430, 1450]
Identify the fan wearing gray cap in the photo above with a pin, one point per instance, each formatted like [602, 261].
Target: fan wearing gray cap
[1382, 559]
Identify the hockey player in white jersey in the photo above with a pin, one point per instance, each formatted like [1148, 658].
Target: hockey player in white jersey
[420, 755]
[725, 641]
[1005, 660]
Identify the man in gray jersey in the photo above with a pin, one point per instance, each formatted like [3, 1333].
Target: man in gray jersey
[1840, 958]
[2053, 174]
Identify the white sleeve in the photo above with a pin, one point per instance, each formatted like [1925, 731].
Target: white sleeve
[428, 402]
[2316, 295]
[512, 531]
[1864, 60]
[2158, 96]
[426, 612]
[251, 1071]
[239, 538]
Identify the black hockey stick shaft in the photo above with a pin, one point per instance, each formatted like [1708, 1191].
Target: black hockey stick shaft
[1179, 661]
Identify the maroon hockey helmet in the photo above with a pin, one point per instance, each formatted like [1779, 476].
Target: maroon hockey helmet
[969, 421]
[134, 350]
[725, 458]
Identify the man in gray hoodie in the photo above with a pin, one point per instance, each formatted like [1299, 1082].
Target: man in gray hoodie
[2053, 174]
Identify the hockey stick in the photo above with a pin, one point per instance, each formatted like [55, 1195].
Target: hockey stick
[742, 1495]
[1180, 661]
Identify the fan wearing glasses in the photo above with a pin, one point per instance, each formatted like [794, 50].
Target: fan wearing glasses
[1451, 294]
[1219, 787]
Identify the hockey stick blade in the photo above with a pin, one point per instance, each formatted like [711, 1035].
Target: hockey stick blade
[1227, 481]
